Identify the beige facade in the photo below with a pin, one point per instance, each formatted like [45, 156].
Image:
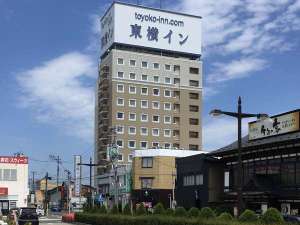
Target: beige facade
[153, 101]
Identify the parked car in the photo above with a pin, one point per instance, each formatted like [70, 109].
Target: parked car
[55, 209]
[291, 219]
[27, 215]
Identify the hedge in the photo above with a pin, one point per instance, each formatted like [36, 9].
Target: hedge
[109, 219]
[207, 213]
[248, 216]
[159, 209]
[272, 216]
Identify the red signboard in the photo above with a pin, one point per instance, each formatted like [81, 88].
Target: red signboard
[3, 191]
[14, 160]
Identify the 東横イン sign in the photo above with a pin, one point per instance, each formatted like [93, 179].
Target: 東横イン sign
[151, 28]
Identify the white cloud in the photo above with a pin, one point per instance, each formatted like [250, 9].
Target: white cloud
[219, 132]
[235, 69]
[59, 93]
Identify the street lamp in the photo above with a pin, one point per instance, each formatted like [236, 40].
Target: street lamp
[239, 115]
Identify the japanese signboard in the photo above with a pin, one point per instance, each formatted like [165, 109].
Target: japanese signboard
[3, 191]
[151, 28]
[280, 125]
[14, 160]
[77, 172]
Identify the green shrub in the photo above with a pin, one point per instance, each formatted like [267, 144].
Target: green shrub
[169, 212]
[225, 216]
[126, 210]
[207, 213]
[248, 216]
[193, 212]
[141, 210]
[180, 212]
[272, 215]
[158, 209]
[114, 209]
[102, 209]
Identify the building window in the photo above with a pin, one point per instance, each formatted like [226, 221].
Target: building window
[156, 91]
[120, 116]
[120, 101]
[194, 121]
[144, 64]
[155, 145]
[176, 80]
[193, 147]
[9, 175]
[189, 180]
[194, 108]
[194, 95]
[132, 102]
[155, 132]
[131, 144]
[167, 80]
[167, 93]
[147, 162]
[167, 106]
[132, 116]
[144, 117]
[144, 104]
[120, 157]
[120, 129]
[130, 157]
[167, 67]
[194, 70]
[120, 143]
[120, 61]
[144, 91]
[155, 65]
[144, 144]
[120, 74]
[155, 118]
[167, 132]
[155, 105]
[120, 88]
[194, 134]
[144, 77]
[167, 119]
[132, 89]
[156, 79]
[167, 145]
[146, 183]
[132, 76]
[194, 83]
[144, 131]
[132, 62]
[131, 130]
[199, 179]
[176, 69]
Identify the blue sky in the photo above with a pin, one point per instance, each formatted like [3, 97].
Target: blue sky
[48, 65]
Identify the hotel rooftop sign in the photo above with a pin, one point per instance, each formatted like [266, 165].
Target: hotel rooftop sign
[282, 124]
[150, 28]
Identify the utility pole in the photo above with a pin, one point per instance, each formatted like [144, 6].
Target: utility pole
[46, 194]
[33, 187]
[58, 161]
[90, 165]
[69, 186]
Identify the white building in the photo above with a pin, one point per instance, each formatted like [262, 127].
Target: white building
[13, 182]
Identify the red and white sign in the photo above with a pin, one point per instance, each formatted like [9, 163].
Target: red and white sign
[3, 191]
[13, 160]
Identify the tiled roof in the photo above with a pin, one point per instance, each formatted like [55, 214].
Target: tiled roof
[246, 143]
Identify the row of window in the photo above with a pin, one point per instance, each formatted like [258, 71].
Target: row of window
[144, 77]
[144, 90]
[143, 144]
[144, 104]
[156, 65]
[8, 175]
[143, 131]
[191, 180]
